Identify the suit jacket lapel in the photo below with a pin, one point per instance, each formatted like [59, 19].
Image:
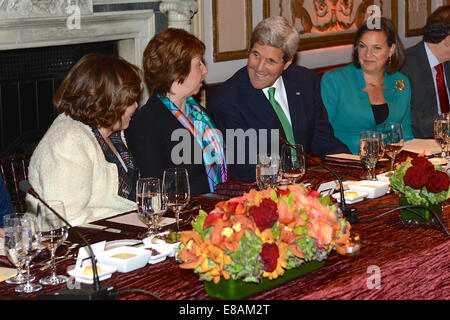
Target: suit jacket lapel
[447, 73]
[294, 98]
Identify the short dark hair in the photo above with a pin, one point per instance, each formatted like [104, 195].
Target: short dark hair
[98, 90]
[167, 58]
[437, 26]
[388, 28]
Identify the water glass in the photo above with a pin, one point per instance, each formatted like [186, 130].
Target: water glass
[267, 170]
[151, 204]
[21, 246]
[441, 134]
[369, 151]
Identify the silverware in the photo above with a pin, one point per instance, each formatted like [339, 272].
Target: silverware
[49, 263]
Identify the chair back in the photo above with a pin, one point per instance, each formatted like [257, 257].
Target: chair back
[15, 169]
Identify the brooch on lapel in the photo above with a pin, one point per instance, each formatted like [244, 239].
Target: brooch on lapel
[400, 85]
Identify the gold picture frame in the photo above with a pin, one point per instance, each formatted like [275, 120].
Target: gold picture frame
[414, 17]
[232, 29]
[323, 38]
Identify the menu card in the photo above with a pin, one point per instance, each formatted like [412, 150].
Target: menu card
[427, 147]
[133, 219]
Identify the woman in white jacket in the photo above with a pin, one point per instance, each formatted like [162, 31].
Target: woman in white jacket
[83, 159]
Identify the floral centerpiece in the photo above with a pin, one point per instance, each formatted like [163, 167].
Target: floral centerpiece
[263, 233]
[419, 182]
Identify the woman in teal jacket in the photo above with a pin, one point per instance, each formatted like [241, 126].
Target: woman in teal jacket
[369, 92]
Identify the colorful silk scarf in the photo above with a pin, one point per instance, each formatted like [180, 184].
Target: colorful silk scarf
[127, 177]
[200, 125]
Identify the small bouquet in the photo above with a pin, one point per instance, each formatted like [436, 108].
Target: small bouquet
[263, 233]
[421, 182]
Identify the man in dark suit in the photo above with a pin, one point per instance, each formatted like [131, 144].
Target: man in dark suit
[420, 67]
[242, 102]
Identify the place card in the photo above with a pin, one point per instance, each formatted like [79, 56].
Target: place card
[327, 188]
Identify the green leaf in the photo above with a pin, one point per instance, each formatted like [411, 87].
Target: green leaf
[291, 199]
[273, 196]
[198, 223]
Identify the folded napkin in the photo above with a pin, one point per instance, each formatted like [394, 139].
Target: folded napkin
[234, 188]
[344, 160]
[348, 160]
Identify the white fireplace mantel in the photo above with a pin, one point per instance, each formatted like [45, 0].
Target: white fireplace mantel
[40, 23]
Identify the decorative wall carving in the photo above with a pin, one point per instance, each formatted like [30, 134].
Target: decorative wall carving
[326, 23]
[38, 8]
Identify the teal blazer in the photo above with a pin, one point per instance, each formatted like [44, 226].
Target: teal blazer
[349, 109]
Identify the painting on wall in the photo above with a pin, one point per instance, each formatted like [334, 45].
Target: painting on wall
[328, 23]
[232, 29]
[415, 19]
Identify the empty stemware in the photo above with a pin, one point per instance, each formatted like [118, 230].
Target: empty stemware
[177, 190]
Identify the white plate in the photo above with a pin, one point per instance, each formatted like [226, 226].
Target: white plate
[105, 273]
[350, 200]
[149, 243]
[374, 189]
[120, 243]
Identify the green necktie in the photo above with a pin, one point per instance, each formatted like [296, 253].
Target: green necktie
[281, 116]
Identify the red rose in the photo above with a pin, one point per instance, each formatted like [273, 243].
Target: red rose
[438, 181]
[424, 163]
[269, 255]
[415, 177]
[265, 215]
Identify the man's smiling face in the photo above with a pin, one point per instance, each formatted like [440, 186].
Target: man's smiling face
[265, 64]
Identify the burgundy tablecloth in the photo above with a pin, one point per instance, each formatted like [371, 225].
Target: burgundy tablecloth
[413, 262]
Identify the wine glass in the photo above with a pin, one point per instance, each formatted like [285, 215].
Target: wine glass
[392, 135]
[369, 151]
[292, 163]
[52, 232]
[151, 203]
[10, 221]
[177, 191]
[21, 246]
[441, 134]
[267, 170]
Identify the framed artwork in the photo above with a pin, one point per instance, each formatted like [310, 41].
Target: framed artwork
[415, 19]
[328, 23]
[232, 29]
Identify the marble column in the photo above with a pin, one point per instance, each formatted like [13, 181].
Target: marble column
[179, 12]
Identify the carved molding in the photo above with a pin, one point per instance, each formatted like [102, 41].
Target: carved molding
[11, 9]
